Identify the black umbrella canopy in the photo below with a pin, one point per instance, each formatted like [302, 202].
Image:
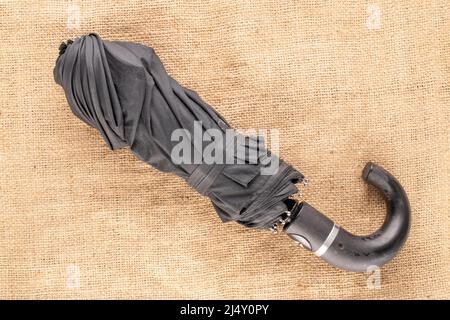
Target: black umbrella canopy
[123, 90]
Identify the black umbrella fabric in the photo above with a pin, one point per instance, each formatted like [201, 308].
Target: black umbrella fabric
[123, 90]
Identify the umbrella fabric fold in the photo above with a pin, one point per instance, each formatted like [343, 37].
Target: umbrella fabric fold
[123, 90]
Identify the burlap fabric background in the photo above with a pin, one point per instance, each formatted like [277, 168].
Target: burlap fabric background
[345, 82]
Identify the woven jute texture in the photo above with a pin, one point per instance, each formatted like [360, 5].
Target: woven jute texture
[344, 82]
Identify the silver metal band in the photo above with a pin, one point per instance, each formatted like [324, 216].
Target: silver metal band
[328, 241]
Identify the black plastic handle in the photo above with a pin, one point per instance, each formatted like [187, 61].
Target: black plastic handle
[316, 232]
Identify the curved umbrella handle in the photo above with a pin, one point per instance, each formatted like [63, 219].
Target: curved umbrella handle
[315, 232]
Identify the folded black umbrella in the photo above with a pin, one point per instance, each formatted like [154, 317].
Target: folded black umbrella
[123, 90]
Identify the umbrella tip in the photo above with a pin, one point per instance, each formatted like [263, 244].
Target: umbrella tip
[63, 46]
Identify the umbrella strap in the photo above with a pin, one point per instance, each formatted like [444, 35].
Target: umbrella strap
[204, 176]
